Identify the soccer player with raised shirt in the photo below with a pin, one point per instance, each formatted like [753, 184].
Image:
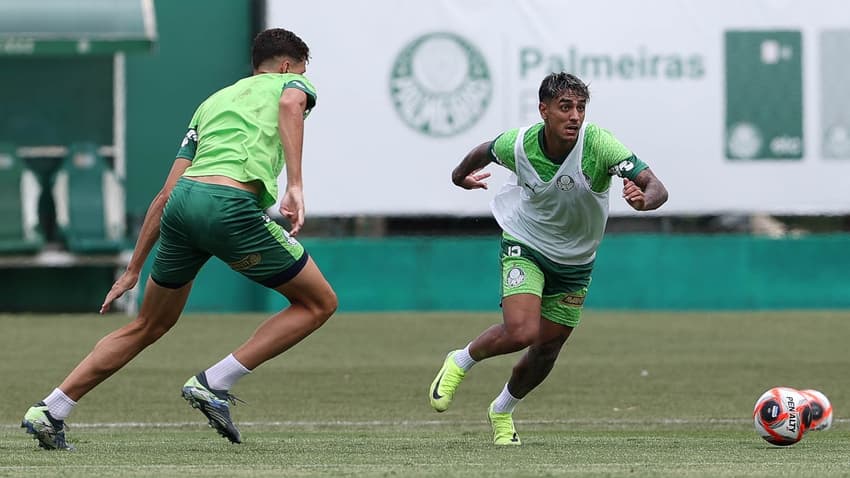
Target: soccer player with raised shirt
[213, 203]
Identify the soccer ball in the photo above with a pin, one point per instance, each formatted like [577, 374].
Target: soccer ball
[821, 409]
[782, 415]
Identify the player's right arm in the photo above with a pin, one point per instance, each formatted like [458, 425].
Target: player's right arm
[468, 174]
[148, 235]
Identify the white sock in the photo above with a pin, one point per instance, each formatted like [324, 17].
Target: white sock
[58, 404]
[463, 359]
[224, 374]
[505, 402]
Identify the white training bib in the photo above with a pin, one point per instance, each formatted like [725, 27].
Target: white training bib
[562, 218]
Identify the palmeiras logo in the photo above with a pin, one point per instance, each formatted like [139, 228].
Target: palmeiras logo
[515, 277]
[440, 84]
[565, 182]
[744, 141]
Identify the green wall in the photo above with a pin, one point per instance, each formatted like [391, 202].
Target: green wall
[54, 290]
[640, 272]
[647, 272]
[56, 100]
[203, 45]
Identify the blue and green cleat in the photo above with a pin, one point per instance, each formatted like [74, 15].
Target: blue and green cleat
[445, 385]
[214, 404]
[49, 431]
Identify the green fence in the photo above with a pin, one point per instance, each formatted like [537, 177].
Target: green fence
[648, 272]
[640, 272]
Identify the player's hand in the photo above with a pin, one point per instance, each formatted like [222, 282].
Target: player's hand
[292, 208]
[124, 283]
[633, 195]
[475, 180]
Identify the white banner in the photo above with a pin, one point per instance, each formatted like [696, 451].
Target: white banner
[738, 106]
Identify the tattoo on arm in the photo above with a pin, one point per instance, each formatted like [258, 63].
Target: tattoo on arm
[655, 194]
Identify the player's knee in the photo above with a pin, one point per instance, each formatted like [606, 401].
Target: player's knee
[549, 351]
[328, 304]
[523, 335]
[321, 306]
[147, 331]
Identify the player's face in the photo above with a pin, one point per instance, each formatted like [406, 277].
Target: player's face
[564, 115]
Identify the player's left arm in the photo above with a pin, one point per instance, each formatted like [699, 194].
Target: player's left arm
[645, 192]
[292, 106]
[641, 189]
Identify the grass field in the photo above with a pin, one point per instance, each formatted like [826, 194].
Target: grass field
[666, 394]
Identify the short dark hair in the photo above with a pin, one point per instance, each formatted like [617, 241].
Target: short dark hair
[555, 84]
[276, 42]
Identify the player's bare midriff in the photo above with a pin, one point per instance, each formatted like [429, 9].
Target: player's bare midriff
[252, 187]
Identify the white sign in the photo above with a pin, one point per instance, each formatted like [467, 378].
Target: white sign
[407, 88]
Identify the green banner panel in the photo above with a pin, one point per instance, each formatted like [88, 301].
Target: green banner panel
[835, 98]
[764, 95]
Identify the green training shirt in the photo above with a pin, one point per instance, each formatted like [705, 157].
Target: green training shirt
[603, 156]
[234, 132]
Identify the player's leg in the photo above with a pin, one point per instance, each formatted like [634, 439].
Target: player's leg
[253, 245]
[519, 328]
[522, 286]
[533, 367]
[560, 314]
[160, 310]
[175, 266]
[536, 363]
[312, 302]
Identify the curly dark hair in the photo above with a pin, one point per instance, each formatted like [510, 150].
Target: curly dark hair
[555, 84]
[276, 42]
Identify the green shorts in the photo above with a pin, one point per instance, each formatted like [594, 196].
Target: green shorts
[561, 288]
[202, 220]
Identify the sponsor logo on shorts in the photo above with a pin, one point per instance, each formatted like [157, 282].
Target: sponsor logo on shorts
[573, 300]
[515, 277]
[246, 262]
[289, 239]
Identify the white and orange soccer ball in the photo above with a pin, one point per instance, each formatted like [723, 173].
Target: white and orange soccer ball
[821, 409]
[782, 415]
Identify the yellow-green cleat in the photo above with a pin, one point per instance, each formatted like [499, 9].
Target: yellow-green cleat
[445, 384]
[504, 432]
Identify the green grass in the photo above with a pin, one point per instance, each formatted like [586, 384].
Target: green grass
[645, 394]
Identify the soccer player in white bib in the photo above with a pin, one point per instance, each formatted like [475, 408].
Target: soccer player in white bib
[553, 218]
